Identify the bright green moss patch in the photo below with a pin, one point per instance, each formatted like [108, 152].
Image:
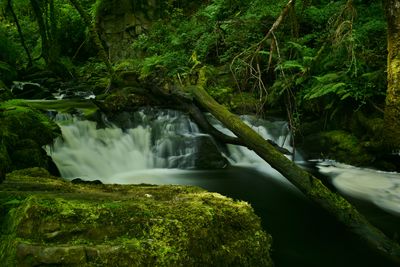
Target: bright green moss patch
[86, 107]
[51, 221]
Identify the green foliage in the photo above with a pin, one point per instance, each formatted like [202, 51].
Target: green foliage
[10, 52]
[73, 38]
[335, 54]
[7, 72]
[223, 95]
[216, 32]
[327, 53]
[338, 58]
[327, 84]
[92, 68]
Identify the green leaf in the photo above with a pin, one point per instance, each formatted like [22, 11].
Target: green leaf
[291, 65]
[319, 91]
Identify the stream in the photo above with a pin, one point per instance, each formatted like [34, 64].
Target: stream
[163, 146]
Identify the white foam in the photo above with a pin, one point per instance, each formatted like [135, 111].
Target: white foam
[378, 187]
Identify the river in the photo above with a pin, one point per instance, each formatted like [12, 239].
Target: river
[160, 147]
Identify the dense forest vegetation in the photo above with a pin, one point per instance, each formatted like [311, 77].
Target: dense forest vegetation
[326, 61]
[331, 68]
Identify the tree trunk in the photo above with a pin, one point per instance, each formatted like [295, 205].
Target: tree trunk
[94, 35]
[21, 36]
[37, 10]
[307, 183]
[392, 107]
[52, 29]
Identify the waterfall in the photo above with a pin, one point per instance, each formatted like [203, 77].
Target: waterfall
[159, 146]
[150, 141]
[165, 139]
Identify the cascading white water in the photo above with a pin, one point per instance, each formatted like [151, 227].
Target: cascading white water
[155, 139]
[277, 131]
[156, 143]
[166, 139]
[378, 187]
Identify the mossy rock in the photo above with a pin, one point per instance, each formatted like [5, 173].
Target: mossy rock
[367, 127]
[50, 221]
[27, 153]
[24, 122]
[124, 100]
[23, 132]
[208, 157]
[339, 145]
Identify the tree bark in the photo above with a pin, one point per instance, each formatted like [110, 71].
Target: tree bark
[42, 30]
[392, 107]
[21, 36]
[94, 34]
[307, 183]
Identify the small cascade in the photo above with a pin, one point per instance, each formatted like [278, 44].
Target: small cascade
[149, 139]
[163, 139]
[378, 187]
[276, 131]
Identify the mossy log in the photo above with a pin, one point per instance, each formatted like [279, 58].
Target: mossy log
[304, 181]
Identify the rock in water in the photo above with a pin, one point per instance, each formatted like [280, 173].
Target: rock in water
[48, 221]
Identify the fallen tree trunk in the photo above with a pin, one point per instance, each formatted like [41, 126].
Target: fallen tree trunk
[185, 101]
[304, 181]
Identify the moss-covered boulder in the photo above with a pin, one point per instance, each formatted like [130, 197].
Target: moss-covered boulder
[125, 99]
[208, 156]
[23, 132]
[49, 221]
[339, 145]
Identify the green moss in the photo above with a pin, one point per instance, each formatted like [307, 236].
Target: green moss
[124, 100]
[125, 225]
[24, 121]
[347, 147]
[23, 132]
[86, 107]
[339, 145]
